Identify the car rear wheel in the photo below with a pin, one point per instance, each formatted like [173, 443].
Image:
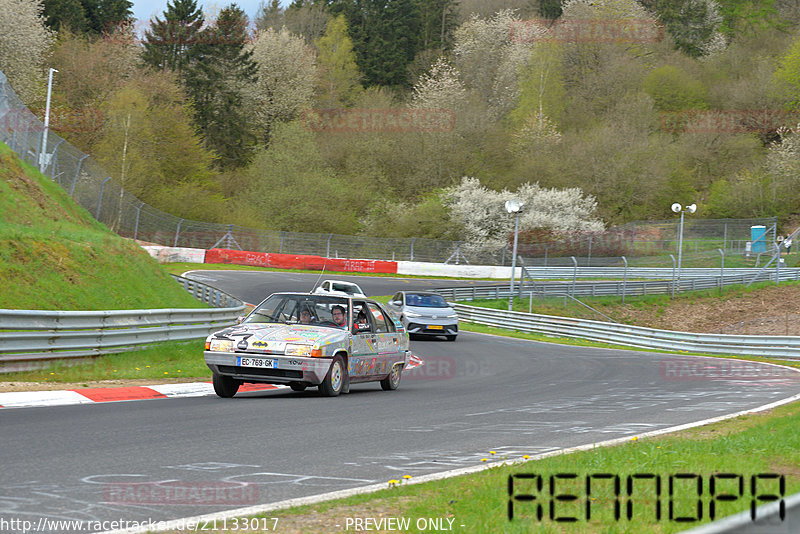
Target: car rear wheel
[297, 386]
[332, 385]
[225, 386]
[393, 380]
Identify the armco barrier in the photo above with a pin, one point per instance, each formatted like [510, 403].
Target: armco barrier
[291, 261]
[28, 338]
[635, 336]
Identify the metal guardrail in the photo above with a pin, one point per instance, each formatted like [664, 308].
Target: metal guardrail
[601, 288]
[635, 336]
[29, 338]
[787, 273]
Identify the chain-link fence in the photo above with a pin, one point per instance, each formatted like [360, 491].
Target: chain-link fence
[109, 203]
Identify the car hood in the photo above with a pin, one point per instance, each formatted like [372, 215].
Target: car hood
[273, 336]
[431, 312]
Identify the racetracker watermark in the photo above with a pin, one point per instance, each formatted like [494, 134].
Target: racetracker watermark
[446, 368]
[727, 121]
[85, 120]
[175, 492]
[586, 31]
[723, 370]
[391, 120]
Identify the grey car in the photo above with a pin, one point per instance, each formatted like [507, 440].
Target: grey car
[303, 340]
[424, 313]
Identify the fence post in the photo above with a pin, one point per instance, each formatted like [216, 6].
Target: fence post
[328, 246]
[100, 199]
[574, 274]
[624, 277]
[778, 264]
[589, 255]
[721, 268]
[53, 162]
[177, 233]
[412, 249]
[77, 171]
[674, 266]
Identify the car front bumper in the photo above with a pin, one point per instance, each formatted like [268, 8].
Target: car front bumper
[432, 328]
[289, 368]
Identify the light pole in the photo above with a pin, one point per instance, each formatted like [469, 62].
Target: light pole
[43, 159]
[513, 206]
[677, 208]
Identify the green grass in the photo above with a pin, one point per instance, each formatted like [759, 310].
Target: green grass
[172, 359]
[55, 256]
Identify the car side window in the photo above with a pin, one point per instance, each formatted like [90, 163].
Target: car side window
[379, 318]
[361, 316]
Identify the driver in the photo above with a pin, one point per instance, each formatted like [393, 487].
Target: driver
[339, 315]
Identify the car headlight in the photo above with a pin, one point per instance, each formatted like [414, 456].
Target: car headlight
[221, 345]
[412, 314]
[452, 316]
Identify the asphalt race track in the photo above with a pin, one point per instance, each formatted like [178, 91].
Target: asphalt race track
[479, 394]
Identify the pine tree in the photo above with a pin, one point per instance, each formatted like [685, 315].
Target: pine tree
[65, 13]
[168, 42]
[216, 76]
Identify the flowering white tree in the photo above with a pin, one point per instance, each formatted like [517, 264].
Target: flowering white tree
[439, 88]
[287, 72]
[481, 212]
[489, 53]
[24, 41]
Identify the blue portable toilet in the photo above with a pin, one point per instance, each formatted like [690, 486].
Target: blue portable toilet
[758, 235]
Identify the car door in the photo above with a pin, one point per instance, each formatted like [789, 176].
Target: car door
[388, 340]
[363, 357]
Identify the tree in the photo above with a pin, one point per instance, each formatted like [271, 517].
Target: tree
[270, 15]
[286, 74]
[306, 18]
[437, 22]
[24, 41]
[385, 36]
[149, 145]
[338, 73]
[67, 14]
[788, 75]
[219, 71]
[486, 225]
[673, 89]
[694, 24]
[290, 166]
[489, 58]
[168, 42]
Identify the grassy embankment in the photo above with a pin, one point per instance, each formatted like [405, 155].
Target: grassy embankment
[55, 256]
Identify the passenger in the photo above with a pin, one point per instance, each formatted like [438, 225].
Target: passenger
[339, 315]
[305, 316]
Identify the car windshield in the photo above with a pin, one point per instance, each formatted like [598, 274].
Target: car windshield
[301, 309]
[350, 289]
[425, 301]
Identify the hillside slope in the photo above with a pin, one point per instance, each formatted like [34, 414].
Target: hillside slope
[55, 256]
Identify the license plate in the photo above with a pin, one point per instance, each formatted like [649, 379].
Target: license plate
[256, 362]
[435, 327]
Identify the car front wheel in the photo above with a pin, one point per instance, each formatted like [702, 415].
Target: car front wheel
[393, 380]
[332, 385]
[225, 386]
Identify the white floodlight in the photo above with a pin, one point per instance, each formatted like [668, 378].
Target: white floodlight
[691, 208]
[514, 205]
[676, 207]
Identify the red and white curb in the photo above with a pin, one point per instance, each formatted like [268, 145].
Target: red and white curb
[27, 399]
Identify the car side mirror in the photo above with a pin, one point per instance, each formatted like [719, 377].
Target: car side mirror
[240, 319]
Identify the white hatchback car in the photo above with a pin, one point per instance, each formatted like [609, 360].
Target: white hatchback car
[340, 288]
